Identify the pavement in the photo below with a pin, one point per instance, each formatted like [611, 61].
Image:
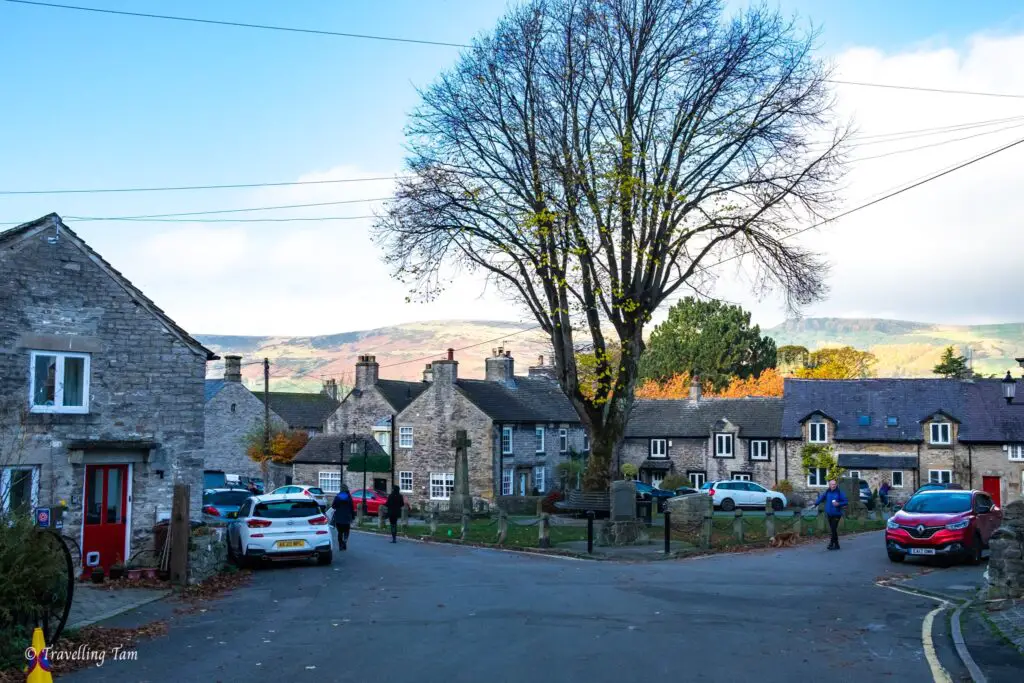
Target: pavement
[94, 603]
[451, 613]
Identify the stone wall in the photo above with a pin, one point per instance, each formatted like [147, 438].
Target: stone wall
[1006, 562]
[526, 457]
[207, 554]
[994, 461]
[231, 415]
[359, 413]
[696, 455]
[145, 383]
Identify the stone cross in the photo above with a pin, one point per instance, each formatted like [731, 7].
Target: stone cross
[461, 499]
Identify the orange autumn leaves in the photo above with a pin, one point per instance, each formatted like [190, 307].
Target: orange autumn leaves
[768, 384]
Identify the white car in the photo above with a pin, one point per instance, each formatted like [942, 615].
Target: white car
[314, 492]
[280, 527]
[733, 493]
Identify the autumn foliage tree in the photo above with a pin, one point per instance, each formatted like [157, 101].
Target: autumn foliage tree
[838, 363]
[284, 445]
[767, 384]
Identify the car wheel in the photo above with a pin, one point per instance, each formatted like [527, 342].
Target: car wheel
[325, 558]
[976, 550]
[776, 504]
[728, 505]
[896, 557]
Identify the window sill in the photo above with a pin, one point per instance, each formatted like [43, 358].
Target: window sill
[49, 410]
[940, 446]
[818, 443]
[760, 459]
[725, 457]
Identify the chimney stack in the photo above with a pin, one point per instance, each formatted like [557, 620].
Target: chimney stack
[445, 371]
[331, 388]
[500, 367]
[695, 389]
[367, 372]
[542, 371]
[232, 369]
[428, 373]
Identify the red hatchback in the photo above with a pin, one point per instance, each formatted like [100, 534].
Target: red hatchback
[948, 524]
[374, 499]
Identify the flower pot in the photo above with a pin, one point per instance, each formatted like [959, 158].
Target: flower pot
[134, 574]
[97, 576]
[116, 573]
[149, 573]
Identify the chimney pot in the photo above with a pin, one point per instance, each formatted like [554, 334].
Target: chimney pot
[695, 390]
[540, 360]
[451, 354]
[232, 368]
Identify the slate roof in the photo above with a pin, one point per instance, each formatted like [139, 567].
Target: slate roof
[301, 411]
[684, 418]
[326, 449]
[53, 220]
[877, 462]
[977, 404]
[523, 400]
[212, 388]
[400, 393]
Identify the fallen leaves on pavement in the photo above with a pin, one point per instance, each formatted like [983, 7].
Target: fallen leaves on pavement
[215, 587]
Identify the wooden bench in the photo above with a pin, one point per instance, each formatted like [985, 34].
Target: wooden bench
[585, 501]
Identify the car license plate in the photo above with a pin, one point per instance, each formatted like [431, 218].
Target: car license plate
[290, 544]
[922, 551]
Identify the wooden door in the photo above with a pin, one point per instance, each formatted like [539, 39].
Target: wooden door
[992, 486]
[106, 513]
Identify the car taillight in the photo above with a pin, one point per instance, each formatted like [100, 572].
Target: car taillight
[210, 510]
[318, 520]
[258, 523]
[711, 492]
[308, 494]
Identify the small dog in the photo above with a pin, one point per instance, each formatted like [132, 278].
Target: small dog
[783, 539]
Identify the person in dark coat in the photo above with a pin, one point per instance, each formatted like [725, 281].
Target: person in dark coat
[344, 510]
[834, 500]
[395, 504]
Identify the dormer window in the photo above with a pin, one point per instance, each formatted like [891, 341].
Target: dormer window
[817, 432]
[892, 421]
[941, 433]
[864, 420]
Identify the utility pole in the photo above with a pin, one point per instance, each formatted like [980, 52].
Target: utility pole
[266, 417]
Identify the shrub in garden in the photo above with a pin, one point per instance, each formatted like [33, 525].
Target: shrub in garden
[785, 487]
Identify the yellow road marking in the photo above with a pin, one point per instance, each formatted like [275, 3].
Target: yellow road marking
[939, 674]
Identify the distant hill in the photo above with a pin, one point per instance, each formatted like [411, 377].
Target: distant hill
[904, 349]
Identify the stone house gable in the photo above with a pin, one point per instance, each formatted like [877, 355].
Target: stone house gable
[103, 386]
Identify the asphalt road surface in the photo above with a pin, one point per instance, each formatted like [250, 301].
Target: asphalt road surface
[432, 612]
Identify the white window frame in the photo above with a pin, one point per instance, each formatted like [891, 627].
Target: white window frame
[539, 480]
[741, 476]
[5, 484]
[58, 386]
[756, 446]
[659, 449]
[817, 478]
[812, 432]
[938, 435]
[405, 481]
[725, 439]
[940, 476]
[507, 479]
[405, 437]
[697, 479]
[1015, 452]
[538, 433]
[383, 437]
[563, 440]
[506, 440]
[442, 484]
[853, 474]
[892, 479]
[329, 481]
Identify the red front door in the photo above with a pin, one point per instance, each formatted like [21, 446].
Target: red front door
[106, 510]
[990, 485]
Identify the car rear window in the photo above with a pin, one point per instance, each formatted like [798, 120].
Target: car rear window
[284, 509]
[317, 491]
[939, 503]
[226, 497]
[707, 485]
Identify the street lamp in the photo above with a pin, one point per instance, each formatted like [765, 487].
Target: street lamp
[1010, 384]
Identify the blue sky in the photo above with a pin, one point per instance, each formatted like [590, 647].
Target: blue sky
[92, 100]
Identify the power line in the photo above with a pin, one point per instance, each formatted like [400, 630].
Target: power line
[196, 187]
[935, 144]
[237, 24]
[221, 211]
[946, 91]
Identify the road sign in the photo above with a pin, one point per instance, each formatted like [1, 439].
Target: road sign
[43, 517]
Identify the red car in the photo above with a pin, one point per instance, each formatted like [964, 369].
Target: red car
[948, 524]
[374, 499]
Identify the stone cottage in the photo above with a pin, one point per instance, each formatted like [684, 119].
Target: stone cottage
[306, 412]
[103, 390]
[705, 439]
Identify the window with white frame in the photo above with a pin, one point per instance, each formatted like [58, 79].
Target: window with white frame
[19, 488]
[59, 382]
[818, 476]
[697, 479]
[405, 482]
[563, 440]
[538, 479]
[940, 476]
[586, 442]
[853, 474]
[656, 480]
[759, 449]
[941, 433]
[330, 481]
[442, 484]
[896, 480]
[539, 438]
[741, 476]
[383, 437]
[405, 437]
[506, 481]
[723, 445]
[506, 441]
[659, 448]
[817, 432]
[1015, 452]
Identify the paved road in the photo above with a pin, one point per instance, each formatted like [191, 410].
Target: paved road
[428, 612]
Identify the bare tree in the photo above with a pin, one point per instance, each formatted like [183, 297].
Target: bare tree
[592, 157]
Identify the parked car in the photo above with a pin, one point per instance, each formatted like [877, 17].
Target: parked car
[951, 524]
[221, 504]
[279, 527]
[646, 491]
[733, 493]
[374, 499]
[314, 492]
[686, 491]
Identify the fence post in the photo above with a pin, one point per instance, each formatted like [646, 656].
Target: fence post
[502, 527]
[707, 527]
[180, 530]
[798, 521]
[769, 520]
[590, 532]
[668, 531]
[737, 525]
[433, 519]
[544, 531]
[540, 507]
[405, 518]
[465, 524]
[359, 515]
[380, 517]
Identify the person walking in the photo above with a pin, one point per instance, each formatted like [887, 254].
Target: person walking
[834, 500]
[395, 504]
[344, 510]
[883, 493]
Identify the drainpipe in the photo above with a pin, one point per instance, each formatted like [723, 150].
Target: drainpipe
[917, 473]
[785, 456]
[970, 467]
[394, 428]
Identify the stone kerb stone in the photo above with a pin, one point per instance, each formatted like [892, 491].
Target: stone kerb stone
[1006, 561]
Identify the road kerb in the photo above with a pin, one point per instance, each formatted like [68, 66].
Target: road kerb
[939, 673]
[961, 646]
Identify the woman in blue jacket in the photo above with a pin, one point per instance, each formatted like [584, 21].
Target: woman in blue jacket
[834, 500]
